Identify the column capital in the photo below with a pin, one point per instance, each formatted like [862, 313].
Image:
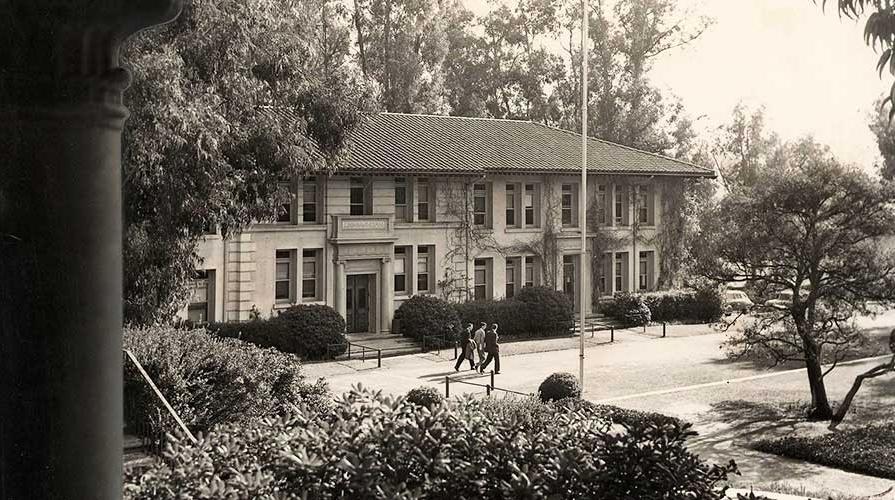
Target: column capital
[65, 52]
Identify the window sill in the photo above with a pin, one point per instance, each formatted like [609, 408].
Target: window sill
[283, 227]
[283, 305]
[523, 230]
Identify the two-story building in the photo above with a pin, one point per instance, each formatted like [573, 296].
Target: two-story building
[464, 208]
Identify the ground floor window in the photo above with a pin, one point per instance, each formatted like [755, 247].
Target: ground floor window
[511, 277]
[621, 274]
[284, 276]
[401, 270]
[568, 275]
[645, 271]
[529, 271]
[480, 288]
[198, 311]
[423, 261]
[309, 275]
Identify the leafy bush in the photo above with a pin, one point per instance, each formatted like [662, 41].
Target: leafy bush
[511, 315]
[425, 396]
[618, 415]
[306, 330]
[373, 446]
[629, 308]
[550, 312]
[424, 315]
[210, 381]
[702, 306]
[558, 386]
[866, 450]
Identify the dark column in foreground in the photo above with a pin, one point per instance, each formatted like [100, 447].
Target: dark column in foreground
[61, 117]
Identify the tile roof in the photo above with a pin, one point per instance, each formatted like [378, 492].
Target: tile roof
[396, 142]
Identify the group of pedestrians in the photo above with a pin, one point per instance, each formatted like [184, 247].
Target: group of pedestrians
[475, 345]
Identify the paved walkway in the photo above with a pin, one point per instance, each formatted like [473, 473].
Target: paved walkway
[685, 374]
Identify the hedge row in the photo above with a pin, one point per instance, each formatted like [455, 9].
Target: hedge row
[533, 312]
[700, 306]
[311, 331]
[372, 446]
[210, 381]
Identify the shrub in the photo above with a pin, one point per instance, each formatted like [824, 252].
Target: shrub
[511, 315]
[550, 312]
[373, 446]
[424, 315]
[425, 396]
[702, 306]
[210, 381]
[618, 415]
[630, 309]
[558, 386]
[306, 330]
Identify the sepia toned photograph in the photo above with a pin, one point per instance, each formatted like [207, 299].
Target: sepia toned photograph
[447, 249]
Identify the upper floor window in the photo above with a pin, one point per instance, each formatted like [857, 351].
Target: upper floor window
[480, 204]
[530, 201]
[621, 205]
[284, 214]
[601, 201]
[423, 281]
[423, 193]
[360, 201]
[568, 205]
[198, 310]
[511, 205]
[310, 199]
[284, 276]
[645, 212]
[309, 270]
[529, 271]
[400, 270]
[401, 200]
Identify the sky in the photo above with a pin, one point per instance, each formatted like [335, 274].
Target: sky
[811, 70]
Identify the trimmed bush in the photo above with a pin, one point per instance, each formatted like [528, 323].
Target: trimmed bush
[558, 386]
[424, 315]
[210, 381]
[700, 306]
[374, 446]
[306, 330]
[618, 415]
[425, 396]
[511, 315]
[550, 312]
[629, 308]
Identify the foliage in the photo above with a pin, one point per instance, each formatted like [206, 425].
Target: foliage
[619, 415]
[511, 315]
[559, 385]
[311, 331]
[210, 381]
[206, 143]
[550, 312]
[865, 450]
[701, 306]
[424, 315]
[817, 229]
[628, 308]
[745, 148]
[882, 129]
[425, 396]
[373, 446]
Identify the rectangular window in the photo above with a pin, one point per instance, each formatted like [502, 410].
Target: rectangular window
[283, 278]
[401, 212]
[422, 269]
[481, 279]
[309, 275]
[606, 273]
[422, 200]
[643, 272]
[479, 204]
[643, 208]
[197, 312]
[511, 205]
[568, 275]
[400, 270]
[601, 205]
[284, 214]
[621, 205]
[511, 278]
[531, 197]
[529, 271]
[359, 197]
[309, 200]
[568, 205]
[621, 272]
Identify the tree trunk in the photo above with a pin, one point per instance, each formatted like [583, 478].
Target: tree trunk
[820, 405]
[846, 403]
[358, 23]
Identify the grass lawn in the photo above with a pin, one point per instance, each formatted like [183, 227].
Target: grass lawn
[866, 450]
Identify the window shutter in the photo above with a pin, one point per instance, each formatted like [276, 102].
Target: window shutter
[651, 206]
[626, 205]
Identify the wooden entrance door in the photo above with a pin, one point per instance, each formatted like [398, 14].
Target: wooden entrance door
[358, 303]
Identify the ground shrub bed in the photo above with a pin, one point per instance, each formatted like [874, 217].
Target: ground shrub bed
[866, 450]
[311, 331]
[210, 381]
[618, 415]
[533, 312]
[424, 315]
[373, 446]
[699, 306]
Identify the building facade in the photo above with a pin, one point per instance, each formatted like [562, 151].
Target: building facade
[455, 207]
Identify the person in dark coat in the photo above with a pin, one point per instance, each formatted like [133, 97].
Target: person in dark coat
[467, 350]
[493, 350]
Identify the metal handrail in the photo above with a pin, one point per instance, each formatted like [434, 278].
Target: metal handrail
[488, 387]
[364, 350]
[160, 396]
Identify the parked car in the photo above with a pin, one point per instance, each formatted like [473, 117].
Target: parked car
[736, 300]
[780, 300]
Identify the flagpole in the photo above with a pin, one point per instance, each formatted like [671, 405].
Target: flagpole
[582, 203]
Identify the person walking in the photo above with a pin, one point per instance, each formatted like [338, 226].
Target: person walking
[479, 339]
[467, 350]
[493, 350]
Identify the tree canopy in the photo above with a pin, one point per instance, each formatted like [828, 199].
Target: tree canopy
[227, 101]
[820, 230]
